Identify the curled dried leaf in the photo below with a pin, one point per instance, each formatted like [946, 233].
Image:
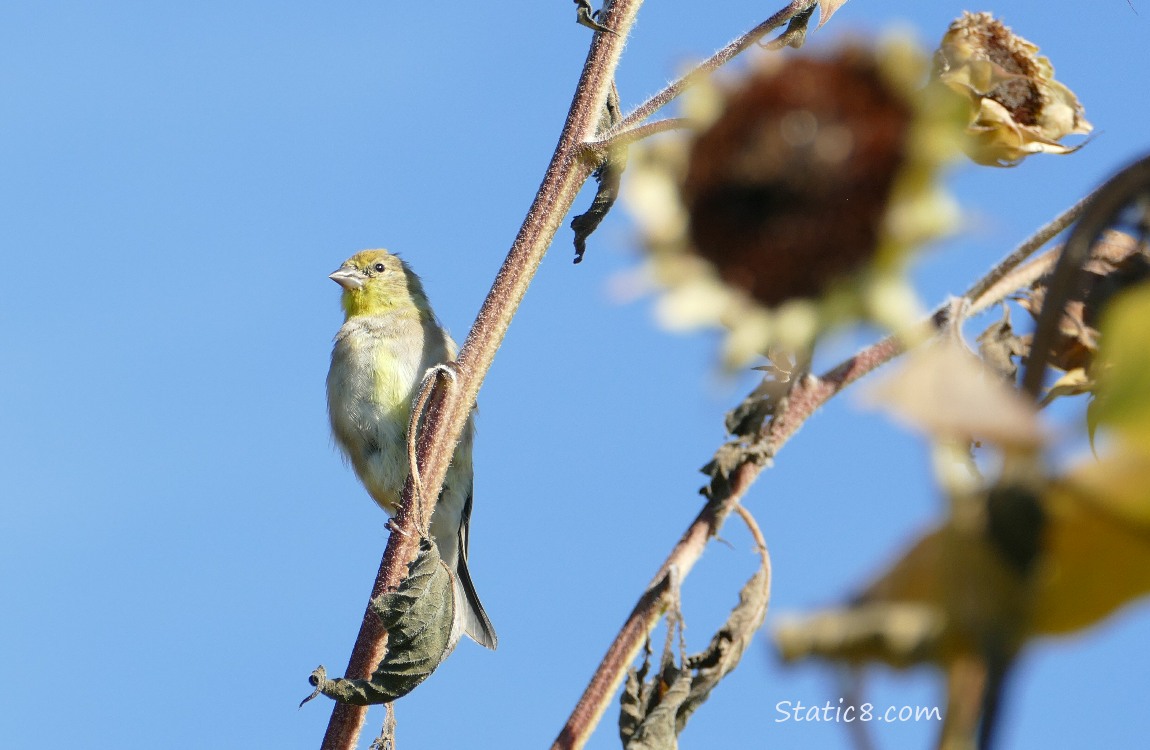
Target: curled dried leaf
[655, 711]
[998, 346]
[418, 619]
[608, 175]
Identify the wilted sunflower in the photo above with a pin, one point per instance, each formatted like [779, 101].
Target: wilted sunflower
[795, 203]
[1014, 106]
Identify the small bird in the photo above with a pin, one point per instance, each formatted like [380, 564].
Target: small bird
[389, 339]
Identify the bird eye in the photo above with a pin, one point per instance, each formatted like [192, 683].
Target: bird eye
[380, 268]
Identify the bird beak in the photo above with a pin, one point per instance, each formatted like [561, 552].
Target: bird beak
[348, 278]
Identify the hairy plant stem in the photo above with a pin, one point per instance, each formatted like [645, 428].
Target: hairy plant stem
[1027, 248]
[638, 133]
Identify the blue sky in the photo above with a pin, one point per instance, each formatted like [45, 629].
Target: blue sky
[183, 544]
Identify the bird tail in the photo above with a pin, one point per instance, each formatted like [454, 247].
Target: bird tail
[475, 621]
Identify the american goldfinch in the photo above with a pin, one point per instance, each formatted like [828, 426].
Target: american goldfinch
[389, 339]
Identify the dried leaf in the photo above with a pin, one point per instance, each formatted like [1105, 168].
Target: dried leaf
[998, 345]
[748, 418]
[1073, 383]
[418, 619]
[827, 9]
[649, 711]
[654, 713]
[585, 16]
[947, 392]
[608, 176]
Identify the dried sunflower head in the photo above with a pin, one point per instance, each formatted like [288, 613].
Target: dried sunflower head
[1015, 107]
[797, 200]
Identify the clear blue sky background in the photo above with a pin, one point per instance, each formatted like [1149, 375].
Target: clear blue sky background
[181, 542]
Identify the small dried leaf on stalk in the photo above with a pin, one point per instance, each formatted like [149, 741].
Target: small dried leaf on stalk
[608, 176]
[586, 16]
[1015, 106]
[1073, 383]
[998, 345]
[726, 648]
[947, 392]
[418, 619]
[748, 418]
[1116, 262]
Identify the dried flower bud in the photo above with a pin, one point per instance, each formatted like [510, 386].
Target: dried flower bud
[1016, 108]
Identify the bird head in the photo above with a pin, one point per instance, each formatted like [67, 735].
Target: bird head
[375, 282]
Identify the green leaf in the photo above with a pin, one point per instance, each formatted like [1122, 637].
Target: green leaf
[1123, 402]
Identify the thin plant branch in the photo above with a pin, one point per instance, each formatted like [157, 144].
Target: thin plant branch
[757, 535]
[809, 393]
[1032, 244]
[1014, 280]
[638, 133]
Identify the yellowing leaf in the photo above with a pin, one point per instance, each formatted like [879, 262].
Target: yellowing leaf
[1095, 562]
[1123, 401]
[1117, 485]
